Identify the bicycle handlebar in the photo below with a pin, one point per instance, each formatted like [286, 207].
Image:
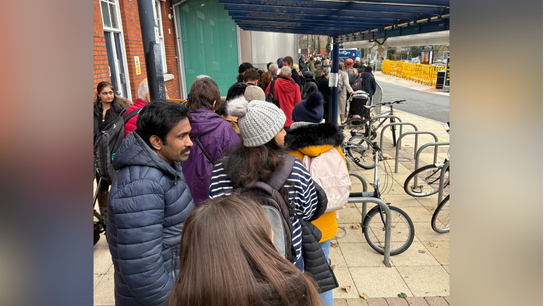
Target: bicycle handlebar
[389, 103]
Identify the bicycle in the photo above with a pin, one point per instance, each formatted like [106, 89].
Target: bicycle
[440, 221]
[362, 155]
[373, 227]
[427, 179]
[367, 121]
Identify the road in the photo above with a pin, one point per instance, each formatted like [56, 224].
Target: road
[424, 104]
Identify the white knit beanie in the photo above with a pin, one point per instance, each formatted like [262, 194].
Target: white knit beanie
[259, 121]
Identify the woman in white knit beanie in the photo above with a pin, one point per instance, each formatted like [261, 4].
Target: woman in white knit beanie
[262, 153]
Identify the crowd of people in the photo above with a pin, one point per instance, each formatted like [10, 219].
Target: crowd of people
[179, 228]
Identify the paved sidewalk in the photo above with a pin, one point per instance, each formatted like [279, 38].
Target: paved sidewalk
[422, 272]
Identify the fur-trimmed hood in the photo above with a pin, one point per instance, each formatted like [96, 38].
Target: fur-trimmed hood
[314, 135]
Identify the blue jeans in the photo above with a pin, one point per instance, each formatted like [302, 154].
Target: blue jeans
[327, 295]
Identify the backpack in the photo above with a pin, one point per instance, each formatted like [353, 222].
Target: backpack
[108, 142]
[340, 81]
[275, 207]
[358, 83]
[318, 70]
[330, 172]
[352, 75]
[270, 95]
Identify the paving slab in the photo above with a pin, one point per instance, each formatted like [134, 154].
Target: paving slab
[377, 302]
[349, 216]
[416, 301]
[402, 201]
[447, 268]
[425, 281]
[336, 257]
[379, 281]
[351, 234]
[104, 292]
[395, 301]
[440, 250]
[416, 255]
[418, 214]
[436, 301]
[343, 276]
[101, 261]
[339, 302]
[425, 232]
[360, 255]
[357, 302]
[447, 298]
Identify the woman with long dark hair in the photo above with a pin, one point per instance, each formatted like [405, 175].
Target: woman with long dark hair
[228, 258]
[107, 107]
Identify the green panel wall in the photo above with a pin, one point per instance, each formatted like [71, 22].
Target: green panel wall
[210, 44]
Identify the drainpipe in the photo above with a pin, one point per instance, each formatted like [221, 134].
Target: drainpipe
[152, 51]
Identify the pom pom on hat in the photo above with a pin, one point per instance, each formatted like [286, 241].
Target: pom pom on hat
[309, 110]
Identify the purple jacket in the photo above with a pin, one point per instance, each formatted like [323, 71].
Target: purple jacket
[216, 136]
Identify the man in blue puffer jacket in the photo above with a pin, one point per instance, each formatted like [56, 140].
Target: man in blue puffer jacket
[148, 205]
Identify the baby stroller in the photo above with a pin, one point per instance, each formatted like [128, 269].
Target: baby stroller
[358, 100]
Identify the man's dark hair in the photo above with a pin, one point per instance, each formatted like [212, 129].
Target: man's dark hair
[251, 75]
[158, 118]
[244, 66]
[288, 60]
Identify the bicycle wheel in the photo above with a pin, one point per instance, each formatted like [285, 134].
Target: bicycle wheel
[441, 217]
[428, 181]
[402, 230]
[361, 152]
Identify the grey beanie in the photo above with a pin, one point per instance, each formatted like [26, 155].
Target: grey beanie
[258, 121]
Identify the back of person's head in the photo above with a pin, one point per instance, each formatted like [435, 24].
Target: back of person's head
[251, 75]
[341, 66]
[349, 63]
[280, 62]
[254, 93]
[357, 59]
[266, 78]
[207, 78]
[268, 66]
[295, 66]
[326, 62]
[143, 90]
[244, 66]
[286, 70]
[368, 69]
[273, 68]
[312, 58]
[308, 75]
[203, 94]
[227, 258]
[309, 110]
[158, 118]
[288, 60]
[324, 72]
[259, 121]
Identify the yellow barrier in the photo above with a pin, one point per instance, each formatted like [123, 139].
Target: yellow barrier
[421, 73]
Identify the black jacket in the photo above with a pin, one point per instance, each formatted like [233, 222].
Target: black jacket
[111, 114]
[369, 83]
[326, 91]
[310, 85]
[295, 76]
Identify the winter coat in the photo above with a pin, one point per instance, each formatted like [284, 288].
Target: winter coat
[131, 123]
[310, 84]
[216, 136]
[313, 140]
[326, 91]
[148, 204]
[318, 67]
[315, 262]
[111, 114]
[311, 66]
[343, 93]
[288, 94]
[295, 76]
[369, 83]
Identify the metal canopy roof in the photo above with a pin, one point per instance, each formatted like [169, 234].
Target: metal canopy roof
[344, 20]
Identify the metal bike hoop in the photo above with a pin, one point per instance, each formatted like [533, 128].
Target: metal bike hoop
[417, 133]
[391, 124]
[441, 183]
[435, 144]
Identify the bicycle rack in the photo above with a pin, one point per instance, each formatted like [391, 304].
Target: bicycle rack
[417, 133]
[391, 124]
[441, 185]
[435, 144]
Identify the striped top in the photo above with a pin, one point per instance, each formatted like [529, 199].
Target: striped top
[301, 191]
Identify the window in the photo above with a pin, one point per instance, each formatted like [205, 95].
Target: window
[109, 14]
[158, 22]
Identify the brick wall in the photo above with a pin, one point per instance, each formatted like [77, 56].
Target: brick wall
[134, 47]
[100, 62]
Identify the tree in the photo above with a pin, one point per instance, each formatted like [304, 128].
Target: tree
[328, 47]
[313, 44]
[391, 52]
[318, 44]
[415, 51]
